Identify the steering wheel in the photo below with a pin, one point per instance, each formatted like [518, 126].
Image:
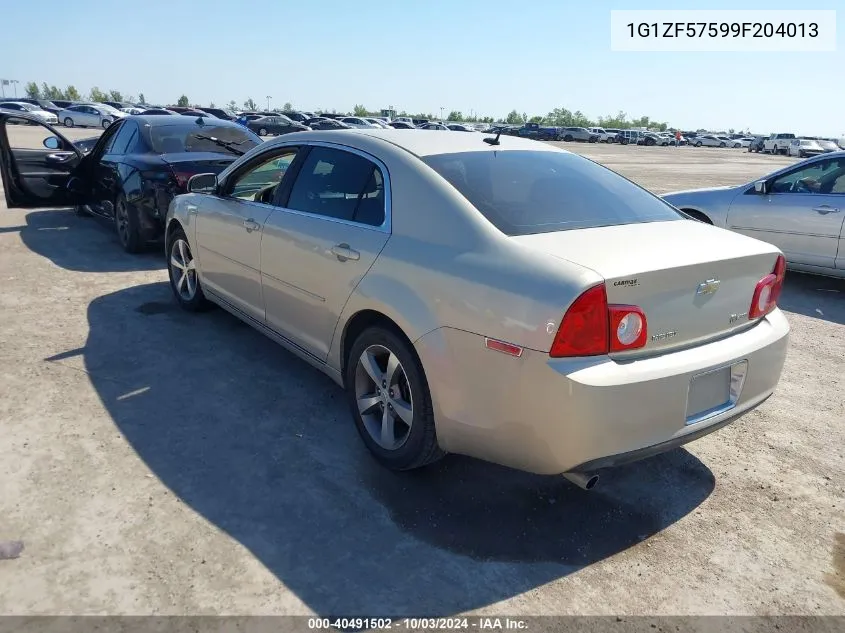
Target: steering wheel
[800, 186]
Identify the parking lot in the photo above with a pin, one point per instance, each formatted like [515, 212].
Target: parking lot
[158, 462]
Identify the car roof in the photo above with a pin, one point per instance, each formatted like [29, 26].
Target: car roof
[422, 143]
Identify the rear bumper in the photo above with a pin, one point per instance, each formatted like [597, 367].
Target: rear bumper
[551, 416]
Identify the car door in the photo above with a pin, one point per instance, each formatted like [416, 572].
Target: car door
[105, 161]
[39, 167]
[229, 230]
[801, 212]
[333, 221]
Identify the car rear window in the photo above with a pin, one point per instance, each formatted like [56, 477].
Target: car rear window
[191, 137]
[523, 191]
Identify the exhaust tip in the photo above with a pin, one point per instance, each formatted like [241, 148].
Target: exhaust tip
[586, 481]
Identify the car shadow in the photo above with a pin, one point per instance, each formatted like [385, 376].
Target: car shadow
[262, 446]
[82, 243]
[814, 296]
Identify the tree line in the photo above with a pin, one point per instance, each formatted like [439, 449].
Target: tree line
[560, 117]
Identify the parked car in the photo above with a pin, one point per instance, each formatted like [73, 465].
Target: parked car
[778, 143]
[797, 208]
[326, 124]
[44, 105]
[578, 134]
[612, 134]
[377, 122]
[299, 117]
[159, 112]
[653, 138]
[708, 140]
[196, 113]
[359, 122]
[604, 135]
[757, 144]
[117, 105]
[630, 137]
[539, 132]
[433, 126]
[275, 125]
[744, 141]
[28, 108]
[460, 127]
[89, 115]
[217, 112]
[634, 352]
[129, 175]
[132, 110]
[402, 125]
[827, 145]
[804, 147]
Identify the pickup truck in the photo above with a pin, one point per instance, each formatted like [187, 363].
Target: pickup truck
[778, 143]
[533, 130]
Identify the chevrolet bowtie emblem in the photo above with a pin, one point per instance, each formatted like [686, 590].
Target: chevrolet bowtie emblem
[708, 287]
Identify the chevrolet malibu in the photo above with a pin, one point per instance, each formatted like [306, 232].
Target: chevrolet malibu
[489, 296]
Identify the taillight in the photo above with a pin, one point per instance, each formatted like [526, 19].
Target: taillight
[591, 327]
[768, 290]
[182, 178]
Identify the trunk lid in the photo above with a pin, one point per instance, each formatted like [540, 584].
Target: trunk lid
[694, 281]
[187, 164]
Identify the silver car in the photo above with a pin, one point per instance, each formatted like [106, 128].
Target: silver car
[499, 298]
[359, 122]
[28, 108]
[89, 115]
[804, 147]
[799, 209]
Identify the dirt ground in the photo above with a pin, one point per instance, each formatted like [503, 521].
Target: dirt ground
[159, 462]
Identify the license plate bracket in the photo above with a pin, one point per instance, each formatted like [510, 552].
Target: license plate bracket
[715, 391]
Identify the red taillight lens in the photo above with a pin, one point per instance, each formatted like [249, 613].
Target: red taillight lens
[768, 290]
[584, 329]
[182, 178]
[591, 327]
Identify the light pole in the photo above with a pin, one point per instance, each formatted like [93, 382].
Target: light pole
[15, 83]
[441, 113]
[268, 102]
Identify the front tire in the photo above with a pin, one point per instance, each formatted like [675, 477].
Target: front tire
[127, 226]
[390, 400]
[722, 144]
[698, 144]
[567, 138]
[182, 270]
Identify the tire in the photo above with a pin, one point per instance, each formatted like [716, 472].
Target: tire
[775, 150]
[698, 144]
[127, 226]
[262, 132]
[400, 446]
[106, 123]
[722, 144]
[568, 137]
[801, 154]
[736, 145]
[68, 122]
[179, 259]
[623, 141]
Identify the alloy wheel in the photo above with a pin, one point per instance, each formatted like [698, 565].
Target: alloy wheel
[384, 397]
[184, 269]
[121, 219]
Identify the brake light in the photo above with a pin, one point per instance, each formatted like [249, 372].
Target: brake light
[182, 178]
[768, 290]
[591, 327]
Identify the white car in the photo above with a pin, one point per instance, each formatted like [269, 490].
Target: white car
[90, 115]
[604, 135]
[377, 122]
[132, 110]
[28, 108]
[708, 140]
[359, 122]
[804, 147]
[742, 142]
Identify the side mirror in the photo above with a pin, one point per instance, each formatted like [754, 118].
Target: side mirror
[51, 142]
[202, 183]
[760, 186]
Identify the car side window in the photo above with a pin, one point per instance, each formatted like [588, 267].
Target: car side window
[121, 141]
[258, 182]
[338, 184]
[819, 177]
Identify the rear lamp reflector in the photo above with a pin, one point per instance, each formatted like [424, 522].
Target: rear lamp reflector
[501, 346]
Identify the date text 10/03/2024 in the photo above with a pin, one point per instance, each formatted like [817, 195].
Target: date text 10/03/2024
[418, 624]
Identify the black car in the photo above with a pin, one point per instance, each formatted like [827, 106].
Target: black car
[319, 123]
[157, 112]
[299, 117]
[220, 114]
[276, 124]
[47, 106]
[402, 125]
[433, 126]
[129, 176]
[757, 144]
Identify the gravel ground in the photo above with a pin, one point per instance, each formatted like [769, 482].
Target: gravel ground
[156, 462]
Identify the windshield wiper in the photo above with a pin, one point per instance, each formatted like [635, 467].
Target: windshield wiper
[230, 145]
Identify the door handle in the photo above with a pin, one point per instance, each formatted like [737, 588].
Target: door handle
[825, 209]
[59, 158]
[343, 252]
[251, 225]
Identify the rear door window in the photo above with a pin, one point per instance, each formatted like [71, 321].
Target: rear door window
[523, 191]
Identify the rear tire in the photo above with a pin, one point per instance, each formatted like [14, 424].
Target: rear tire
[262, 132]
[106, 123]
[68, 122]
[386, 433]
[722, 144]
[567, 138]
[698, 144]
[127, 225]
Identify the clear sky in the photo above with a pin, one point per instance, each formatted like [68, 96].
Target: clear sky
[485, 56]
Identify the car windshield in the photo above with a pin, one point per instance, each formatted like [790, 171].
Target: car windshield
[170, 139]
[523, 191]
